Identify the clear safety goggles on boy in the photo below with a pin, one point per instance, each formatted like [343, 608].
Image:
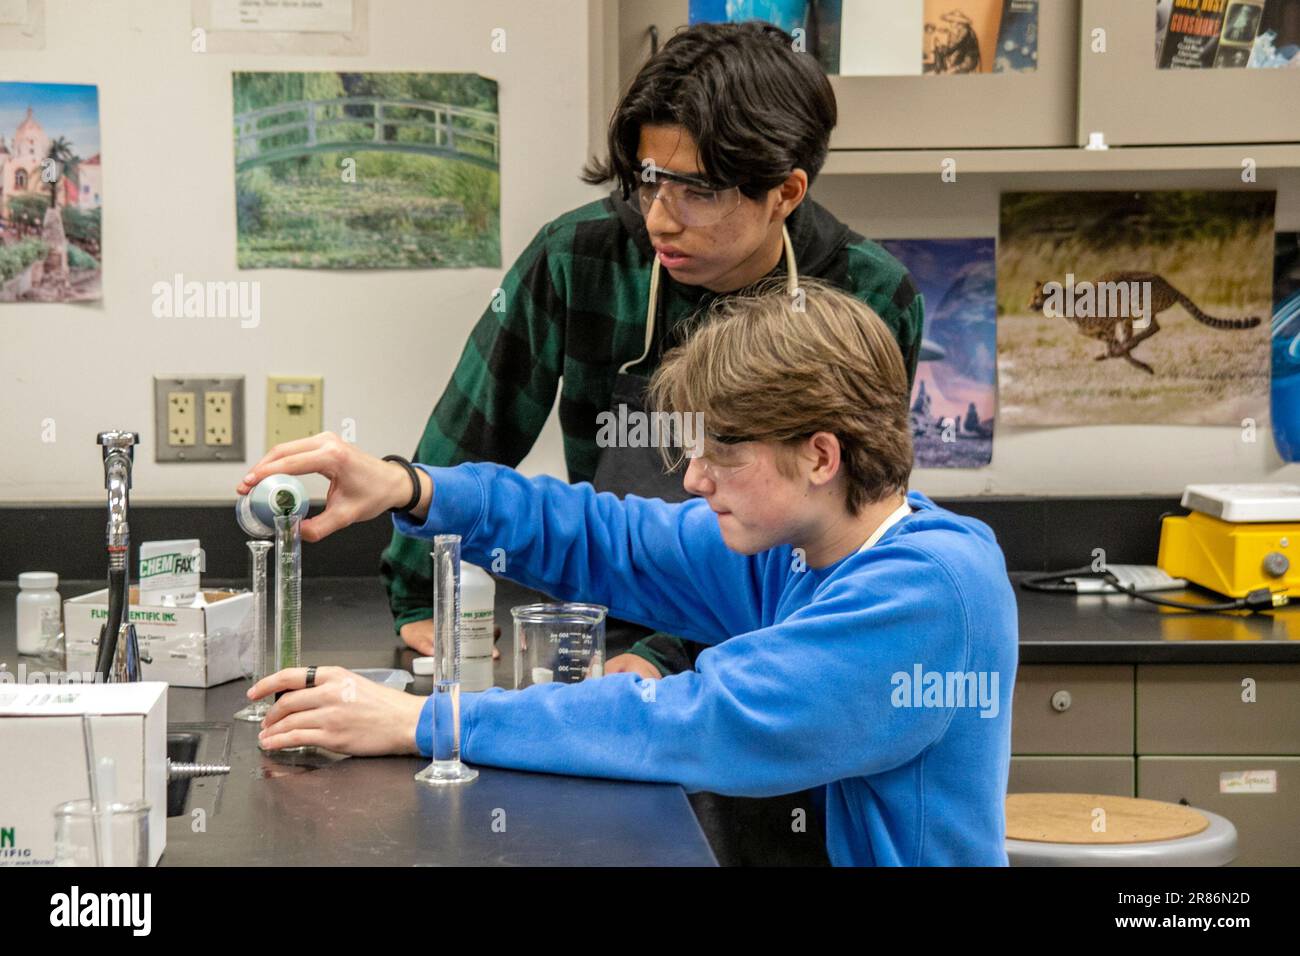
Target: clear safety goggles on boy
[690, 200]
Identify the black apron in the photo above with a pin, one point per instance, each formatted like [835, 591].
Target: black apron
[742, 831]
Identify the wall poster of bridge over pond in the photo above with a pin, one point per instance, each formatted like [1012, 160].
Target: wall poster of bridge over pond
[367, 170]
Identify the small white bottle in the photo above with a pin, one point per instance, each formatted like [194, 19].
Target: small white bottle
[478, 592]
[40, 617]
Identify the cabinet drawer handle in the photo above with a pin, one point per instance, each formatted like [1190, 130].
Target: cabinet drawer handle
[1061, 701]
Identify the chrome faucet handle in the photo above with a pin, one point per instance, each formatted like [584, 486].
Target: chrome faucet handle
[119, 653]
[116, 440]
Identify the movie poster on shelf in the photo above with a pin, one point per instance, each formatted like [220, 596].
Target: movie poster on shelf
[1017, 38]
[953, 400]
[898, 38]
[1191, 35]
[51, 193]
[366, 170]
[1227, 34]
[1277, 41]
[1134, 307]
[878, 39]
[1286, 345]
[789, 15]
[960, 36]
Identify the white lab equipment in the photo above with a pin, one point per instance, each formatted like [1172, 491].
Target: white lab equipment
[38, 606]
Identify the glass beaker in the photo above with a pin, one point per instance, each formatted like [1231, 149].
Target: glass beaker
[558, 643]
[116, 835]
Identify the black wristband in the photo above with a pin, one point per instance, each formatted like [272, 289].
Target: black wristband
[415, 483]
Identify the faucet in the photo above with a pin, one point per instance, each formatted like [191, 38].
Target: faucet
[119, 651]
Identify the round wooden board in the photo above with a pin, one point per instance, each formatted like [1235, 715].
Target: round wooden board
[1073, 818]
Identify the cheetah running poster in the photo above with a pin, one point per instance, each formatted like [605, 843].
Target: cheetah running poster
[1134, 307]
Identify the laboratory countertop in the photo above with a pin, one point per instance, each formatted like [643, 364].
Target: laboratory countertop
[1118, 629]
[356, 811]
[327, 810]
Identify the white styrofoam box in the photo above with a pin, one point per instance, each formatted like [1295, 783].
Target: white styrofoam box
[43, 754]
[187, 646]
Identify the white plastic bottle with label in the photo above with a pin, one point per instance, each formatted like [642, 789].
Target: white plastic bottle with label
[40, 618]
[478, 593]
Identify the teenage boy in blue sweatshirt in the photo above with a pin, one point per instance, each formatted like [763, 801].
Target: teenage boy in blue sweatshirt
[863, 640]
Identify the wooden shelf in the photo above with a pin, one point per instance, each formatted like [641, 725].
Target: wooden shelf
[925, 162]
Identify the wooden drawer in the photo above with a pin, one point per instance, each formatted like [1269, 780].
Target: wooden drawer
[1109, 775]
[1097, 720]
[1199, 709]
[1268, 824]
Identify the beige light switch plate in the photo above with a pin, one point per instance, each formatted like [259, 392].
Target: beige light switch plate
[294, 407]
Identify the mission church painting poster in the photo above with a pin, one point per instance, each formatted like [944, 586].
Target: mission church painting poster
[51, 193]
[1135, 307]
[366, 170]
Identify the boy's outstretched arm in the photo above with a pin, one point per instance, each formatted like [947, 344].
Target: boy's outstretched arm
[813, 699]
[662, 565]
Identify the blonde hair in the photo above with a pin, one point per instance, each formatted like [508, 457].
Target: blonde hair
[763, 365]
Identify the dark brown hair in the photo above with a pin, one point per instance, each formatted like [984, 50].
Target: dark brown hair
[756, 108]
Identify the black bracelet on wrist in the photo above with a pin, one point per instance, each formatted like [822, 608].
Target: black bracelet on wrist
[415, 483]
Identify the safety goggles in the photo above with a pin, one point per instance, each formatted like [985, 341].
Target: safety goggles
[691, 201]
[722, 456]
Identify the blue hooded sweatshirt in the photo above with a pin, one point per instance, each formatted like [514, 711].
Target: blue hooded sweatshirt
[883, 680]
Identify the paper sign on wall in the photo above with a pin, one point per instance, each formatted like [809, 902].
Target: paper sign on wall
[283, 16]
[13, 11]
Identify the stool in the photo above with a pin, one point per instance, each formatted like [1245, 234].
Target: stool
[1057, 829]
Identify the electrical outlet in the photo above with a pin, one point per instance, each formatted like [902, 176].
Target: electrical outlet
[294, 408]
[180, 419]
[218, 425]
[199, 418]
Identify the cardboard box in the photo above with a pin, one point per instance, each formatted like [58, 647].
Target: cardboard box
[43, 755]
[187, 646]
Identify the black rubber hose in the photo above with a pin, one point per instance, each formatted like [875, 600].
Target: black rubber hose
[116, 615]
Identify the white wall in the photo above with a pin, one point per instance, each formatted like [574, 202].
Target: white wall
[385, 342]
[1093, 460]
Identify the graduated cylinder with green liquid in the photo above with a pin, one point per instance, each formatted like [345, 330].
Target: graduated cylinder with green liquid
[275, 509]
